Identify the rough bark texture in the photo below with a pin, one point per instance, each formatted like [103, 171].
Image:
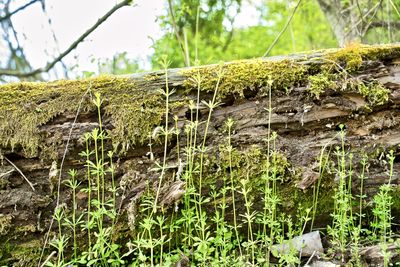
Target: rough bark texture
[345, 21]
[312, 94]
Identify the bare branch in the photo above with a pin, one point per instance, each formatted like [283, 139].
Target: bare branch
[283, 30]
[8, 15]
[383, 24]
[324, 5]
[367, 27]
[20, 172]
[367, 14]
[50, 65]
[177, 34]
[360, 12]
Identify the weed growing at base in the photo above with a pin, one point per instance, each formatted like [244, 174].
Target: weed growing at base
[93, 227]
[207, 228]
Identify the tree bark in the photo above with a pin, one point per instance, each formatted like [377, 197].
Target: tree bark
[305, 121]
[345, 23]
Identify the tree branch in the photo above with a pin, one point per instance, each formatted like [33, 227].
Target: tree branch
[178, 36]
[325, 5]
[230, 34]
[8, 15]
[367, 26]
[50, 65]
[383, 24]
[283, 30]
[20, 172]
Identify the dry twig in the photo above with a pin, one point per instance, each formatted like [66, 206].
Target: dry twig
[50, 65]
[20, 172]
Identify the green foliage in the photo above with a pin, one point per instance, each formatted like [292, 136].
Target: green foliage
[96, 217]
[375, 93]
[208, 227]
[217, 11]
[309, 29]
[25, 106]
[343, 220]
[200, 231]
[119, 64]
[320, 83]
[218, 41]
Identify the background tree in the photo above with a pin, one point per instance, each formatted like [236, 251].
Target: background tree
[219, 39]
[365, 21]
[16, 64]
[209, 31]
[13, 55]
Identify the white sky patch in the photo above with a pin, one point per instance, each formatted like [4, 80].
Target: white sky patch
[127, 30]
[131, 29]
[249, 15]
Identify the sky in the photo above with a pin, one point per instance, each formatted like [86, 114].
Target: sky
[131, 29]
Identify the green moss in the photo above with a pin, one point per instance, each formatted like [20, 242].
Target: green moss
[292, 197]
[319, 83]
[25, 229]
[134, 118]
[27, 254]
[251, 162]
[375, 93]
[24, 254]
[24, 107]
[395, 193]
[244, 75]
[240, 76]
[134, 112]
[340, 64]
[151, 77]
[352, 57]
[5, 223]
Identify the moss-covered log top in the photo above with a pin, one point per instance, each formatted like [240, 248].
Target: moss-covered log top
[135, 106]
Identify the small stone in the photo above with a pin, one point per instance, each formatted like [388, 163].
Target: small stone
[308, 244]
[330, 105]
[322, 264]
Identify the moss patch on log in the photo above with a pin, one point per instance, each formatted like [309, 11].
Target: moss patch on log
[285, 74]
[5, 223]
[26, 106]
[339, 66]
[25, 254]
[319, 83]
[351, 58]
[251, 165]
[134, 112]
[375, 93]
[247, 75]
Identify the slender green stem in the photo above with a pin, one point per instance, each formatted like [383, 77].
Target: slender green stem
[166, 132]
[74, 207]
[89, 203]
[323, 161]
[233, 186]
[102, 153]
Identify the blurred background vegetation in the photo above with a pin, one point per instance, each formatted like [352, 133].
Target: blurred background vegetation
[205, 31]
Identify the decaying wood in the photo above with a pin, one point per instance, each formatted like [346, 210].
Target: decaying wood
[304, 124]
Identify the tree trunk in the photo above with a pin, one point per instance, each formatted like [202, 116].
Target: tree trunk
[309, 95]
[345, 22]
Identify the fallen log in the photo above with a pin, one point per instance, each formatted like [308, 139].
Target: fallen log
[304, 98]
